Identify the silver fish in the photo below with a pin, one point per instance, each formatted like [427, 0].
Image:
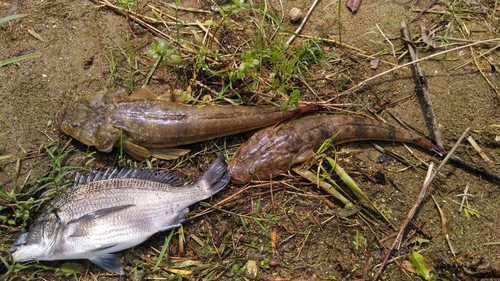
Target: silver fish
[110, 211]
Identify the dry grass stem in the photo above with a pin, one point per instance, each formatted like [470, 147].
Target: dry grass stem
[479, 150]
[423, 11]
[445, 227]
[36, 35]
[207, 34]
[464, 198]
[358, 51]
[388, 41]
[482, 55]
[187, 9]
[399, 158]
[362, 83]
[482, 72]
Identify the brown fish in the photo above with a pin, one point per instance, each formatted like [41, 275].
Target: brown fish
[150, 125]
[272, 151]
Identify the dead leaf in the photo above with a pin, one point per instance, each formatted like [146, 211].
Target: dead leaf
[425, 38]
[252, 269]
[374, 63]
[407, 265]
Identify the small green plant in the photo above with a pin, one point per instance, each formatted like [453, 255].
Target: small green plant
[125, 5]
[43, 188]
[418, 263]
[162, 51]
[123, 64]
[249, 61]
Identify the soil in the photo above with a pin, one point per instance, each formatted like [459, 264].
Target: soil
[76, 40]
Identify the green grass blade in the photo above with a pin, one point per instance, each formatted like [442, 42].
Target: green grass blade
[18, 59]
[164, 249]
[6, 19]
[354, 187]
[326, 186]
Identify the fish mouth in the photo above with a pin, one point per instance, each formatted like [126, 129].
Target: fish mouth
[14, 252]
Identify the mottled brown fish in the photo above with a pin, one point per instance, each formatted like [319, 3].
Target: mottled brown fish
[150, 125]
[272, 151]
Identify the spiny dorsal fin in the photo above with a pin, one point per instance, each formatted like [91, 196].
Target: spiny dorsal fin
[128, 173]
[143, 94]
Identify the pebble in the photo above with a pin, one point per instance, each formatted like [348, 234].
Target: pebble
[295, 14]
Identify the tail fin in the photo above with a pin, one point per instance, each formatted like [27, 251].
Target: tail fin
[310, 108]
[217, 176]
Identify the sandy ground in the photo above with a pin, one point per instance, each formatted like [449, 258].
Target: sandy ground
[75, 41]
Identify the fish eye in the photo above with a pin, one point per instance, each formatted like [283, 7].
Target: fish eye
[75, 124]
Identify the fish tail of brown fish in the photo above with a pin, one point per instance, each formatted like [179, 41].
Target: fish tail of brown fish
[427, 144]
[309, 108]
[361, 128]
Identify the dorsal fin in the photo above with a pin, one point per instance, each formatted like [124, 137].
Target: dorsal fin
[128, 173]
[143, 94]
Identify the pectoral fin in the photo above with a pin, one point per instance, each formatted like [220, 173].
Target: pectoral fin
[167, 97]
[106, 137]
[138, 152]
[79, 225]
[303, 155]
[168, 153]
[109, 262]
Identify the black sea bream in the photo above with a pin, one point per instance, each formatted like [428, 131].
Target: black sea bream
[109, 211]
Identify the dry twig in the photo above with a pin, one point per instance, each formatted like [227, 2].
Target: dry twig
[421, 82]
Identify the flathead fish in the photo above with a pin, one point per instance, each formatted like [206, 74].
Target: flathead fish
[271, 151]
[109, 211]
[149, 125]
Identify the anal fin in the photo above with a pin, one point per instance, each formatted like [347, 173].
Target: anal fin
[168, 153]
[109, 262]
[177, 220]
